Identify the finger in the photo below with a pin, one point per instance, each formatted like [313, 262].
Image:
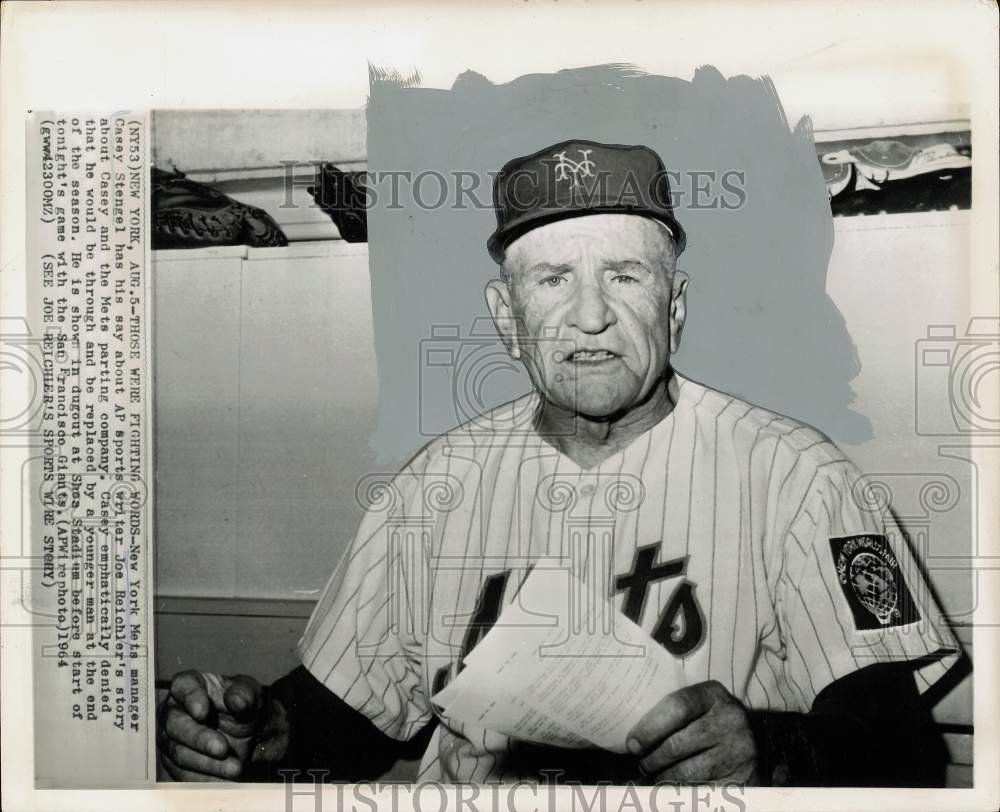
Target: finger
[181, 728]
[180, 774]
[188, 688]
[191, 760]
[670, 714]
[242, 697]
[695, 738]
[702, 768]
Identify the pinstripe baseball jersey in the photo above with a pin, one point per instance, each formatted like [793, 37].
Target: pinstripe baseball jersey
[744, 542]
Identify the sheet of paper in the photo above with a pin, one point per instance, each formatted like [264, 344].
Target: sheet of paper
[561, 667]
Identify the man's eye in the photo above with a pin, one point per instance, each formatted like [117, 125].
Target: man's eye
[624, 278]
[553, 281]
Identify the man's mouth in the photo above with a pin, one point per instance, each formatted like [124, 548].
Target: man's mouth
[590, 356]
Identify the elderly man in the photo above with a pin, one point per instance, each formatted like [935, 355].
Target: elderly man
[805, 630]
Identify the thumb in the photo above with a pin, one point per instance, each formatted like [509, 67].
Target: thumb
[241, 698]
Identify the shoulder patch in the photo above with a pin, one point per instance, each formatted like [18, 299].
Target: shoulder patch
[872, 583]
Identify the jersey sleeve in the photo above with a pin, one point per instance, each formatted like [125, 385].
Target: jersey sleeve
[851, 592]
[363, 640]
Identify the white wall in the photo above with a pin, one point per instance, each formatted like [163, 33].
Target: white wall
[265, 397]
[892, 277]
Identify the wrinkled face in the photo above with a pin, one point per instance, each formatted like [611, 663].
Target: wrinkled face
[594, 308]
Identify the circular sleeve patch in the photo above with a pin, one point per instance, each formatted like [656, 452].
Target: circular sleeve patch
[872, 582]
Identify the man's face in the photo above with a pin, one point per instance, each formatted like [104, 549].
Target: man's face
[593, 307]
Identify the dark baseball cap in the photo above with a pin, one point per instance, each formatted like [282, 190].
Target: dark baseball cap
[575, 178]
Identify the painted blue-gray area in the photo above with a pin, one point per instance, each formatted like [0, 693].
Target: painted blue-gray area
[760, 324]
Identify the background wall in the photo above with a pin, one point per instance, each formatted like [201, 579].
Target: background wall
[265, 391]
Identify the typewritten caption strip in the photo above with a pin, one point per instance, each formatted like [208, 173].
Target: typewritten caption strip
[91, 494]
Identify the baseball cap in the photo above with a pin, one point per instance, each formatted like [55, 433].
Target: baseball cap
[578, 177]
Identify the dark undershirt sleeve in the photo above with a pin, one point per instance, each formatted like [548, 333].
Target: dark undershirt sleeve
[327, 734]
[869, 728]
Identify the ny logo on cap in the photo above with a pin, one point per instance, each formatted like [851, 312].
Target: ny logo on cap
[568, 169]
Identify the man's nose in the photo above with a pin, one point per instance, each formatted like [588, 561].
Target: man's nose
[589, 311]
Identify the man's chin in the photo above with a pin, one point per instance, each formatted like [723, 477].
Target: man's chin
[591, 407]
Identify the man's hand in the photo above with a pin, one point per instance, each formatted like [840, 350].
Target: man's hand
[699, 734]
[210, 727]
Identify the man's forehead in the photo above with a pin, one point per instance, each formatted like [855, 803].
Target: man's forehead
[617, 235]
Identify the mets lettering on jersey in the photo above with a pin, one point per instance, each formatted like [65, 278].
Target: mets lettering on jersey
[728, 532]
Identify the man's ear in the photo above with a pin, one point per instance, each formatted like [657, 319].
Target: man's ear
[498, 300]
[678, 308]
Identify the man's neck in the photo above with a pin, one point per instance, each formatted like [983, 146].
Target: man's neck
[588, 441]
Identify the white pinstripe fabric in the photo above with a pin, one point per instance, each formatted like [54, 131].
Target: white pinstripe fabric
[751, 498]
